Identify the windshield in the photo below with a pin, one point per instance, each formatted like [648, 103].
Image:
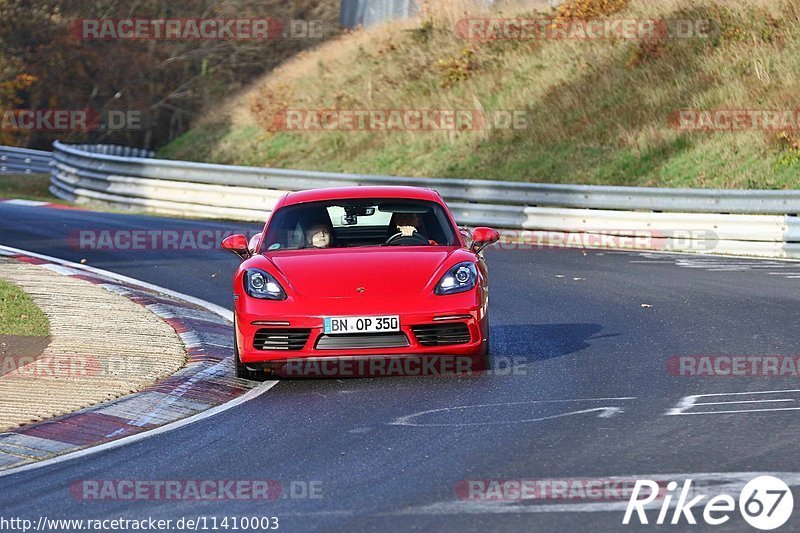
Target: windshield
[361, 222]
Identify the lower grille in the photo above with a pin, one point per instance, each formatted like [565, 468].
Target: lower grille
[362, 340]
[441, 334]
[281, 339]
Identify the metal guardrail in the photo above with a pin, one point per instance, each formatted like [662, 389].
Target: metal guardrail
[112, 149]
[15, 160]
[756, 222]
[354, 13]
[499, 192]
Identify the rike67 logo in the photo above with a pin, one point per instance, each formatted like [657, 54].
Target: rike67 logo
[765, 503]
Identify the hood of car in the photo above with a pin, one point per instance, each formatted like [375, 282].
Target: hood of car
[360, 272]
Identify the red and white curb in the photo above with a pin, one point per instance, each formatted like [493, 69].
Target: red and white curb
[202, 388]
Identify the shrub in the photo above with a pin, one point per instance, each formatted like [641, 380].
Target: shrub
[789, 146]
[457, 69]
[589, 9]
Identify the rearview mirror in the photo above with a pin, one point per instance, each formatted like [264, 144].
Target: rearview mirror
[236, 244]
[466, 236]
[254, 244]
[483, 237]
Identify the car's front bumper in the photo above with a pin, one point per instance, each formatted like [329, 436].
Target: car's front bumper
[308, 355]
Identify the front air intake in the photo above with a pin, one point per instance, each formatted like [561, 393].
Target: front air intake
[281, 339]
[362, 341]
[441, 334]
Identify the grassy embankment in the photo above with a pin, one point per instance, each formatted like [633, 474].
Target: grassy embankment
[18, 314]
[26, 187]
[597, 112]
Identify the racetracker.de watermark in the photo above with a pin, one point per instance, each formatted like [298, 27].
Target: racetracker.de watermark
[541, 29]
[195, 489]
[22, 365]
[548, 490]
[409, 365]
[398, 120]
[727, 366]
[400, 366]
[43, 120]
[170, 240]
[735, 120]
[61, 366]
[697, 240]
[193, 29]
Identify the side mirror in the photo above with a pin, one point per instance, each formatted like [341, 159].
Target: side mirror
[483, 237]
[237, 244]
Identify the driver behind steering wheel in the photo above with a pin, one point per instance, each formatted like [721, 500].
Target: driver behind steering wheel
[407, 224]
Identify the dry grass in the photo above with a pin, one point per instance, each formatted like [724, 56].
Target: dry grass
[596, 110]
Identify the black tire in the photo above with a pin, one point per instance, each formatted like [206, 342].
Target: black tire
[241, 370]
[485, 360]
[485, 364]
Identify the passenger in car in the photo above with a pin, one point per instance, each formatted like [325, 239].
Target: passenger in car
[320, 235]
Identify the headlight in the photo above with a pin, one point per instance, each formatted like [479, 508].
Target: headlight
[460, 278]
[259, 284]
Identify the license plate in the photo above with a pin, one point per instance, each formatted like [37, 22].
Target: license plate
[360, 324]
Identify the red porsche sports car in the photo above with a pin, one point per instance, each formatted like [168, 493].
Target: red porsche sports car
[359, 274]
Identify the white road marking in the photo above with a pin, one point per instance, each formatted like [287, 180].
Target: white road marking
[777, 266]
[60, 269]
[116, 289]
[191, 339]
[31, 203]
[604, 412]
[688, 402]
[160, 311]
[713, 484]
[177, 394]
[746, 401]
[734, 411]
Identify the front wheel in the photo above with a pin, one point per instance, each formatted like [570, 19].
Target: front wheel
[484, 363]
[485, 358]
[241, 370]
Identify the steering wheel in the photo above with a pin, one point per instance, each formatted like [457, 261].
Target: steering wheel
[398, 239]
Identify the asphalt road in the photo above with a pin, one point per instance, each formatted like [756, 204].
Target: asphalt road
[580, 390]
